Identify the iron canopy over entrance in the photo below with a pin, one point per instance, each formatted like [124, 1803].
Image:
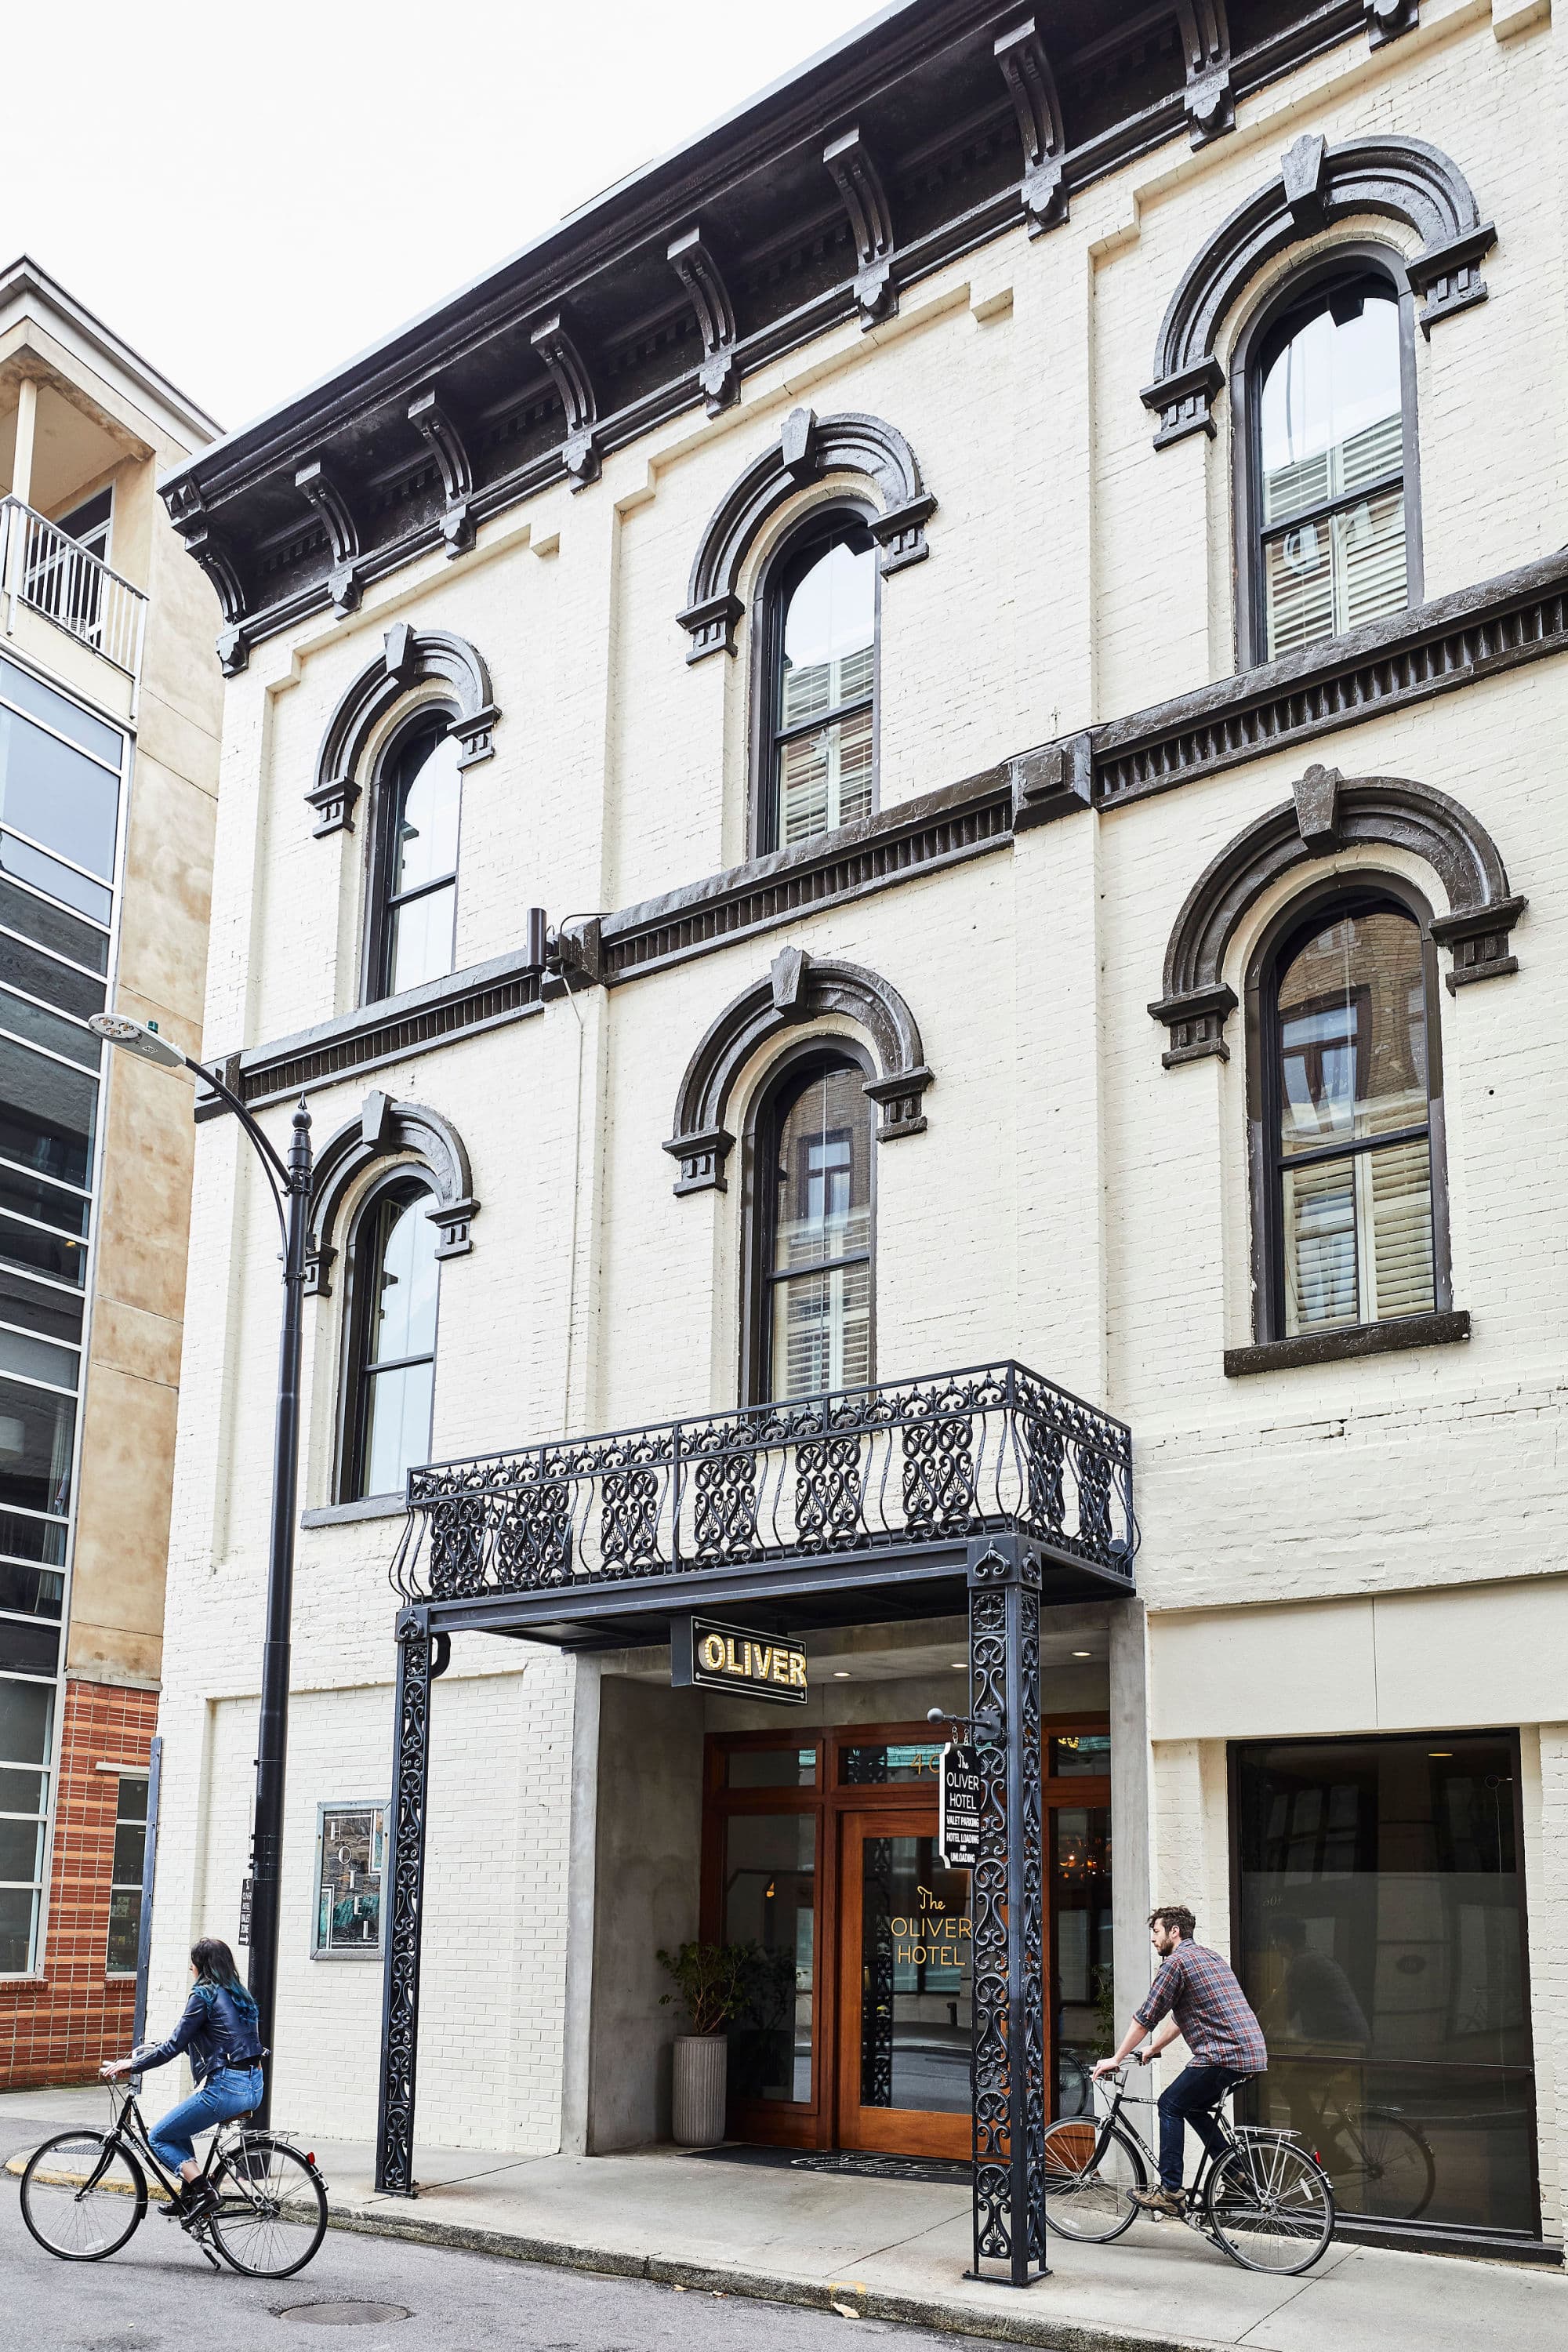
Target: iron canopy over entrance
[872, 1503]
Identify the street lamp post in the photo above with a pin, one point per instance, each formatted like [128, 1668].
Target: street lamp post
[290, 1183]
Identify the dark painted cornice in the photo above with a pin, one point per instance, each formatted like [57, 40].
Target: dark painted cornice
[936, 127]
[1453, 642]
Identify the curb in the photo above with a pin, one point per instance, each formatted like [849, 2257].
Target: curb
[848, 2297]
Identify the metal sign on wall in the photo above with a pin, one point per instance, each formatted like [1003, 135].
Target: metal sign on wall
[707, 1655]
[961, 1800]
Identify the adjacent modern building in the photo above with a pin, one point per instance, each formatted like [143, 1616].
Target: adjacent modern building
[897, 801]
[110, 711]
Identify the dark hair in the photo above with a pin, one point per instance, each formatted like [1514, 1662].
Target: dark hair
[1176, 1915]
[215, 1964]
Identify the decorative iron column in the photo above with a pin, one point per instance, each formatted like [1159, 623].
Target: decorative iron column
[1006, 1926]
[403, 1902]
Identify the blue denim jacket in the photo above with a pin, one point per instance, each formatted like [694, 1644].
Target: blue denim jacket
[218, 2029]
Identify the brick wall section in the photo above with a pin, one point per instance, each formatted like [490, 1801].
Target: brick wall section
[59, 2028]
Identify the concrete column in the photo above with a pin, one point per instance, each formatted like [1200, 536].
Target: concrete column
[582, 1864]
[1132, 1803]
[26, 433]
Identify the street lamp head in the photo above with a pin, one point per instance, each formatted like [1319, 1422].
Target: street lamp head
[137, 1037]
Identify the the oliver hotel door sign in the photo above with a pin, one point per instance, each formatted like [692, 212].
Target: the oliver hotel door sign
[706, 1656]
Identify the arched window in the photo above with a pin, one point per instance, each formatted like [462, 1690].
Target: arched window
[1329, 521]
[820, 722]
[811, 1243]
[414, 861]
[1351, 1119]
[390, 1350]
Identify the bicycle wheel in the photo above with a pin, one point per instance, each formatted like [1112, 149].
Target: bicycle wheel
[1090, 2174]
[82, 2196]
[1392, 2167]
[271, 2212]
[1270, 2206]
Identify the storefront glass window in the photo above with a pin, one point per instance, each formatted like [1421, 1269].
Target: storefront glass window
[1078, 1861]
[917, 1978]
[771, 1767]
[125, 1894]
[1382, 1941]
[770, 1882]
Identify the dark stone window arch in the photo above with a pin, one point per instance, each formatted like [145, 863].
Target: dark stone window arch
[386, 1130]
[816, 645]
[1346, 1116]
[1391, 177]
[389, 1337]
[1327, 500]
[1330, 812]
[808, 449]
[798, 988]
[409, 659]
[808, 1312]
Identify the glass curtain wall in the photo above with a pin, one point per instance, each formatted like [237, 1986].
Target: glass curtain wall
[61, 774]
[1381, 1940]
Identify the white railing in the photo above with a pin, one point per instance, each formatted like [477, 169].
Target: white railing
[41, 565]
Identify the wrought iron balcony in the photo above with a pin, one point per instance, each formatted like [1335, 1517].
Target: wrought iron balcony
[904, 1468]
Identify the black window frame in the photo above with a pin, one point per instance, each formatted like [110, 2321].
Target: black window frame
[1304, 291]
[427, 725]
[787, 563]
[1308, 913]
[358, 1372]
[786, 1080]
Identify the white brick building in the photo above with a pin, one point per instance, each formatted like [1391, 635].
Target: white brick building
[1080, 774]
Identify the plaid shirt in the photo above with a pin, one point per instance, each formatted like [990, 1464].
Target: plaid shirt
[1196, 1987]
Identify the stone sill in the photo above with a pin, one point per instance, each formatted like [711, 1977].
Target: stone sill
[369, 1507]
[1359, 1340]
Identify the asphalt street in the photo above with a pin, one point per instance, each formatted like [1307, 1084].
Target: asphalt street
[159, 2296]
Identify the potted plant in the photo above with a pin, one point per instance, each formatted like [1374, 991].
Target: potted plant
[712, 1982]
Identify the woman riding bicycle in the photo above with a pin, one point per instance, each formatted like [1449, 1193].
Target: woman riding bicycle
[218, 2031]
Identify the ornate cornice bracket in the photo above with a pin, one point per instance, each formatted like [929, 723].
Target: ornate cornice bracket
[798, 987]
[865, 199]
[1387, 19]
[1032, 87]
[436, 425]
[1400, 179]
[1208, 100]
[808, 449]
[580, 450]
[1053, 781]
[345, 584]
[188, 513]
[691, 257]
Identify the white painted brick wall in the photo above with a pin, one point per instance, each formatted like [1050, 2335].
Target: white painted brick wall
[1072, 1203]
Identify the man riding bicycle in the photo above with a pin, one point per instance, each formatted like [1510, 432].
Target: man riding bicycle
[1197, 1997]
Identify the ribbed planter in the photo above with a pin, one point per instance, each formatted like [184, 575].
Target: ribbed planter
[700, 2060]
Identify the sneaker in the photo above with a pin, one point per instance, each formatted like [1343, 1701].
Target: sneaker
[1168, 2201]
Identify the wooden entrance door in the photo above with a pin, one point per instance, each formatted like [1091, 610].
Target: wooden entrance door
[904, 1989]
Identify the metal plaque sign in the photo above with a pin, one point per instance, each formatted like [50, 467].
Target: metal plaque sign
[707, 1655]
[961, 1800]
[244, 1910]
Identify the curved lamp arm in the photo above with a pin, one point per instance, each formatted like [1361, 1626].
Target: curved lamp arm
[141, 1038]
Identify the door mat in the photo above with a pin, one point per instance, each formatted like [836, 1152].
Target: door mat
[868, 2164]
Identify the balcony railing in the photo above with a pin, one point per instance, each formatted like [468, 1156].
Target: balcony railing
[43, 567]
[906, 1466]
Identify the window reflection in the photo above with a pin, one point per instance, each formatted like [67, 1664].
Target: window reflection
[819, 1280]
[420, 861]
[823, 714]
[1381, 1942]
[395, 1276]
[770, 1877]
[1330, 435]
[1354, 1140]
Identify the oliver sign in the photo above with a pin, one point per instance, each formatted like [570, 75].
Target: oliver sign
[706, 1656]
[961, 1800]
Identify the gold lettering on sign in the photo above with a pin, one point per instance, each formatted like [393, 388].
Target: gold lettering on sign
[797, 1670]
[711, 1653]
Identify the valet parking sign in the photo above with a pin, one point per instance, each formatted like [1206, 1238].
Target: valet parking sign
[960, 1802]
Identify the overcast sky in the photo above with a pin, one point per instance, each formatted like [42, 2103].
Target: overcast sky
[250, 195]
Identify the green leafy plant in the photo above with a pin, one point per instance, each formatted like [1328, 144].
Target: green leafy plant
[712, 1981]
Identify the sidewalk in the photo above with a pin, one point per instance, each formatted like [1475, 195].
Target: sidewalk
[897, 2250]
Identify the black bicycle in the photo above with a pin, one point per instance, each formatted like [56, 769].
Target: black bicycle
[1265, 2199]
[85, 2193]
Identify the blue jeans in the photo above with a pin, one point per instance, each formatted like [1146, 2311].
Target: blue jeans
[1192, 2099]
[228, 2091]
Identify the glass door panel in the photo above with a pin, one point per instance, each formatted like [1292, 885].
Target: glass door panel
[904, 2057]
[770, 1900]
[1078, 1870]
